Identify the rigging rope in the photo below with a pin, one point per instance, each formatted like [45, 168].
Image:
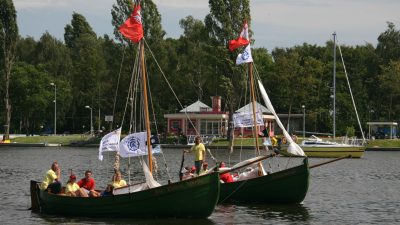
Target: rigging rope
[116, 90]
[351, 93]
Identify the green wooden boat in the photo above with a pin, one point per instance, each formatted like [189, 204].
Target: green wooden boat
[194, 198]
[286, 186]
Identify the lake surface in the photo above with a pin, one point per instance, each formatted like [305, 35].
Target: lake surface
[350, 191]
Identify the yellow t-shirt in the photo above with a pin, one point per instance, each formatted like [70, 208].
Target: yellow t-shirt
[198, 151]
[48, 179]
[119, 184]
[274, 141]
[203, 171]
[71, 188]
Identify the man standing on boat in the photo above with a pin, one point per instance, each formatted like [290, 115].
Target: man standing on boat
[199, 151]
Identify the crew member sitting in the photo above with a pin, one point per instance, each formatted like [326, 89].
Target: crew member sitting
[188, 172]
[52, 180]
[72, 189]
[117, 181]
[87, 184]
[226, 177]
[204, 168]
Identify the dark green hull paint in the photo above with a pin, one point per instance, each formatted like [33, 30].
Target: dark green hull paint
[287, 186]
[194, 198]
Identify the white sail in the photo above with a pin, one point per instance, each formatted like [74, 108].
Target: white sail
[151, 183]
[293, 148]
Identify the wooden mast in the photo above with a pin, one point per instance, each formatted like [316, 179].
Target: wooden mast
[146, 105]
[253, 100]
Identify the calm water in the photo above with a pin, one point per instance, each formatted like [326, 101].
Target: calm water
[351, 191]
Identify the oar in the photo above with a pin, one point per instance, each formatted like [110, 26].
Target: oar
[330, 161]
[180, 170]
[258, 160]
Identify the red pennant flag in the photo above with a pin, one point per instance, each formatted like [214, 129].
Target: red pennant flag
[132, 28]
[242, 40]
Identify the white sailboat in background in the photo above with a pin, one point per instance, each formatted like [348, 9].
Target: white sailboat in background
[316, 147]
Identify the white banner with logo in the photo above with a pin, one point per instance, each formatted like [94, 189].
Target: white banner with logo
[245, 119]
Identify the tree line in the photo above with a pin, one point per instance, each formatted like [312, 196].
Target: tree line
[90, 70]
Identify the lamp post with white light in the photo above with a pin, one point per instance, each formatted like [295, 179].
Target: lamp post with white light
[91, 119]
[55, 107]
[304, 121]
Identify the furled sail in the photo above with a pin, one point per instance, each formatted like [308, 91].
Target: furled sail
[293, 148]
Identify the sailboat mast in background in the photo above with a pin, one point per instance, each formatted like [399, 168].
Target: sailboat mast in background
[334, 85]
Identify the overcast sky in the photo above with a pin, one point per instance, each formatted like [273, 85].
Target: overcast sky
[275, 23]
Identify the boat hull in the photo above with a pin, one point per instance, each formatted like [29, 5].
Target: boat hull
[330, 152]
[194, 198]
[286, 186]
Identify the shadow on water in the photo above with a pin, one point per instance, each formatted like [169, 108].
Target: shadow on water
[55, 219]
[257, 212]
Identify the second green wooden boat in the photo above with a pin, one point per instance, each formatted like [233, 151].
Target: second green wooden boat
[286, 186]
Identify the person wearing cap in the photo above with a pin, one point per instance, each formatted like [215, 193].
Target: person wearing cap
[199, 151]
[72, 189]
[88, 184]
[52, 179]
[226, 177]
[188, 172]
[204, 169]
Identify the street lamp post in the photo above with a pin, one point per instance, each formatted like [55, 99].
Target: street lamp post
[55, 107]
[304, 121]
[91, 119]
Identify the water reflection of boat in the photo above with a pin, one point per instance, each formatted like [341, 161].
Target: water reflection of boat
[292, 213]
[274, 212]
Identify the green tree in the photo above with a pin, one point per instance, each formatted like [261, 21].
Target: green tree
[8, 42]
[31, 100]
[88, 69]
[388, 47]
[390, 83]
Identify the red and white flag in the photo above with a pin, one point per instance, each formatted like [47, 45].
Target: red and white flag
[242, 40]
[132, 28]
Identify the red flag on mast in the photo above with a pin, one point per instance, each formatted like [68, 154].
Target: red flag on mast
[242, 40]
[132, 28]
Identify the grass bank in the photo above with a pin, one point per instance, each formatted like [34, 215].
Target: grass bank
[384, 143]
[61, 139]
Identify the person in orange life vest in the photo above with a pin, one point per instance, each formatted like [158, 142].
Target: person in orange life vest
[226, 177]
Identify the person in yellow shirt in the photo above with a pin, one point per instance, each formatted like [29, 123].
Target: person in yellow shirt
[199, 151]
[52, 180]
[204, 169]
[274, 141]
[72, 189]
[118, 181]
